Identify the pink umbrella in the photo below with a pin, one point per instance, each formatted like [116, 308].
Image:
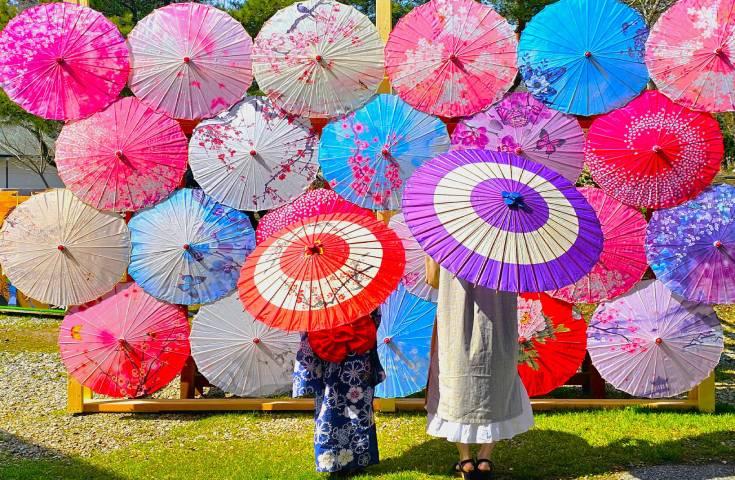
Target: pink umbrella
[190, 60]
[451, 57]
[62, 61]
[124, 158]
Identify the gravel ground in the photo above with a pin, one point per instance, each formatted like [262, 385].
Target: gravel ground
[714, 471]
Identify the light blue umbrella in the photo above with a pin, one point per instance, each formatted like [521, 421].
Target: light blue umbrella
[404, 343]
[189, 248]
[584, 57]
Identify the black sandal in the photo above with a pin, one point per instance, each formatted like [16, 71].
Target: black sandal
[459, 469]
[484, 474]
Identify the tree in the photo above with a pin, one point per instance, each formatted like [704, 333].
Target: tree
[519, 12]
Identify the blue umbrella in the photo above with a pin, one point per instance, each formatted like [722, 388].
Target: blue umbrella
[404, 342]
[584, 57]
[189, 248]
[368, 155]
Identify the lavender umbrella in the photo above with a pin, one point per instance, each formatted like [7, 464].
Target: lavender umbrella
[691, 247]
[502, 221]
[651, 343]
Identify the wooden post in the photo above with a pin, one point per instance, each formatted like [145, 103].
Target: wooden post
[384, 23]
[76, 394]
[704, 394]
[83, 3]
[386, 404]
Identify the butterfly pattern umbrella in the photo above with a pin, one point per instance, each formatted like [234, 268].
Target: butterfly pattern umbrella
[60, 251]
[414, 278]
[367, 156]
[589, 65]
[254, 156]
[189, 60]
[502, 221]
[124, 158]
[189, 248]
[318, 58]
[654, 153]
[650, 343]
[62, 61]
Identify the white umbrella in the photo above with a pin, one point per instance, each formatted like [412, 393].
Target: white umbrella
[414, 277]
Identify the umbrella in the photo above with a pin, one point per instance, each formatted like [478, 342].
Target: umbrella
[238, 354]
[552, 340]
[62, 61]
[414, 277]
[451, 57]
[60, 251]
[124, 158]
[322, 272]
[367, 156]
[584, 57]
[654, 153]
[189, 60]
[126, 344]
[189, 248]
[313, 202]
[404, 342]
[522, 125]
[502, 221]
[623, 259]
[690, 52]
[318, 58]
[254, 156]
[651, 343]
[691, 248]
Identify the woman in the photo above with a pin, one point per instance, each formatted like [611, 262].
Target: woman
[475, 395]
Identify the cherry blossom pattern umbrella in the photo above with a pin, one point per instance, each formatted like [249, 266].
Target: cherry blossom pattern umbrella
[62, 61]
[584, 58]
[552, 340]
[238, 354]
[254, 156]
[654, 153]
[60, 251]
[651, 343]
[414, 277]
[189, 60]
[189, 248]
[451, 57]
[404, 343]
[690, 53]
[623, 259]
[522, 125]
[691, 248]
[318, 58]
[322, 272]
[502, 221]
[123, 158]
[126, 344]
[368, 155]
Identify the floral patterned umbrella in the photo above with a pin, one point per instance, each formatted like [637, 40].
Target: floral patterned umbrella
[254, 156]
[451, 57]
[62, 61]
[414, 278]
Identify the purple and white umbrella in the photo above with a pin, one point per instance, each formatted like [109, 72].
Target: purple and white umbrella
[502, 221]
[691, 247]
[651, 343]
[414, 276]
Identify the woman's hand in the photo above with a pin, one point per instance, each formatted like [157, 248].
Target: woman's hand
[432, 271]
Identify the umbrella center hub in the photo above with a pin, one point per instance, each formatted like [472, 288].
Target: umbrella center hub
[513, 199]
[657, 149]
[119, 154]
[718, 51]
[61, 248]
[318, 58]
[315, 248]
[385, 152]
[253, 153]
[587, 54]
[60, 61]
[387, 340]
[659, 341]
[187, 60]
[453, 58]
[256, 340]
[717, 244]
[186, 246]
[519, 150]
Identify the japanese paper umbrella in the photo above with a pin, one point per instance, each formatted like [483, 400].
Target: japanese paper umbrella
[651, 343]
[623, 259]
[522, 125]
[60, 251]
[254, 156]
[502, 221]
[654, 153]
[322, 272]
[552, 339]
[451, 57]
[189, 60]
[189, 248]
[62, 61]
[368, 155]
[238, 354]
[414, 277]
[124, 158]
[404, 341]
[127, 344]
[584, 58]
[691, 248]
[318, 58]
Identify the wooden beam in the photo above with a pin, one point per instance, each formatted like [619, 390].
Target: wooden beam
[706, 394]
[384, 24]
[77, 396]
[84, 3]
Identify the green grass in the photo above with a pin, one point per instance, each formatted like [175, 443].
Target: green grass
[24, 334]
